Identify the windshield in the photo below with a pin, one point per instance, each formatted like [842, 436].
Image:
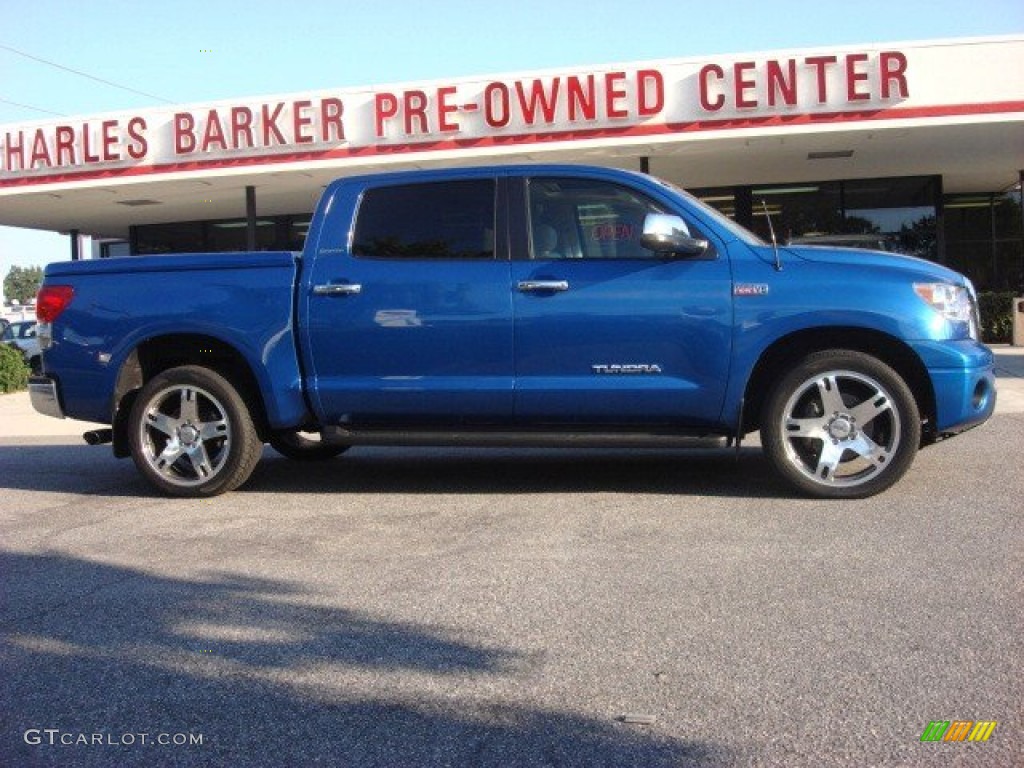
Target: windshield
[741, 232]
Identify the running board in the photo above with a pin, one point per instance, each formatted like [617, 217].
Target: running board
[522, 439]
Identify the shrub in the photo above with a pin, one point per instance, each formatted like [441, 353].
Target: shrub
[13, 369]
[996, 316]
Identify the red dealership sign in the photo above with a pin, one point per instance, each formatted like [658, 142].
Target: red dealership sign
[648, 100]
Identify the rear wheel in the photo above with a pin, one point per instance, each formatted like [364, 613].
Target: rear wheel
[841, 424]
[191, 433]
[305, 446]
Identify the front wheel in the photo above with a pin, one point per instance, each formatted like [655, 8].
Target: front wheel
[191, 433]
[842, 425]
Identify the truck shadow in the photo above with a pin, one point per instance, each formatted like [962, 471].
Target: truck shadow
[82, 469]
[267, 672]
[714, 472]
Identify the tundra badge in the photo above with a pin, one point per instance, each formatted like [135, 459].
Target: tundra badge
[626, 368]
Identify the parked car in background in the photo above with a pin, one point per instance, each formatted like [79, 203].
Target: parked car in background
[866, 242]
[13, 311]
[22, 335]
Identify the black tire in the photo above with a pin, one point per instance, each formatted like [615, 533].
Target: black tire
[35, 364]
[841, 425]
[304, 446]
[191, 433]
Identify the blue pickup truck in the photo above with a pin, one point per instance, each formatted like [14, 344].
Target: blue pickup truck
[519, 305]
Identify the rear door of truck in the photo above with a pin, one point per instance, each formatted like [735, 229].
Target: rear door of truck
[407, 319]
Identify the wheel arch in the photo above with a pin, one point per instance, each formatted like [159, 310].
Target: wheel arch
[782, 354]
[160, 353]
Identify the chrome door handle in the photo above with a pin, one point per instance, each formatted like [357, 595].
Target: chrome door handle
[337, 289]
[540, 286]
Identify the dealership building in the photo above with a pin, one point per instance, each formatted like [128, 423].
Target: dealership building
[916, 147]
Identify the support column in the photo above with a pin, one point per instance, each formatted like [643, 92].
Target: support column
[250, 218]
[940, 223]
[1017, 283]
[743, 199]
[75, 254]
[645, 164]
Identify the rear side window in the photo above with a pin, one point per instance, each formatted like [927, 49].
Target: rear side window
[444, 220]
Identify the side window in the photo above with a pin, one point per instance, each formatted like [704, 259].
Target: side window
[587, 219]
[443, 220]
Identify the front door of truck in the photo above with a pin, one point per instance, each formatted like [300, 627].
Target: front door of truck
[409, 319]
[607, 332]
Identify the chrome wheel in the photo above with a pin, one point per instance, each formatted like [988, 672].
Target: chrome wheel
[192, 434]
[841, 424]
[185, 435]
[841, 428]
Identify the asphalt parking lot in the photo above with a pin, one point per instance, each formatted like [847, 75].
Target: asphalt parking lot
[504, 608]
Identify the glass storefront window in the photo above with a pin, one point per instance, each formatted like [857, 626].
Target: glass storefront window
[181, 237]
[896, 214]
[983, 239]
[273, 233]
[982, 232]
[231, 235]
[297, 231]
[900, 210]
[115, 249]
[797, 210]
[721, 198]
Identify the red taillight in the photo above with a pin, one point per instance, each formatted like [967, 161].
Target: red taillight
[51, 301]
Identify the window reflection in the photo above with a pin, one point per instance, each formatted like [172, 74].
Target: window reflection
[983, 239]
[896, 214]
[273, 233]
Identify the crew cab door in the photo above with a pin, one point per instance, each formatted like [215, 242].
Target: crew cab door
[606, 331]
[408, 319]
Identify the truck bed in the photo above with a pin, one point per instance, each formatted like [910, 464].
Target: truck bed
[245, 300]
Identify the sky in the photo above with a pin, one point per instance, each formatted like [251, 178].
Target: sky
[189, 51]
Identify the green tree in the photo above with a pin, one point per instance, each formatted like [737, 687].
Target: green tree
[919, 238]
[13, 370]
[22, 283]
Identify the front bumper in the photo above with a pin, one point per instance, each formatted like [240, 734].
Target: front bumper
[964, 382]
[43, 392]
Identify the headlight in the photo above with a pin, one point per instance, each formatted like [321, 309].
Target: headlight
[953, 302]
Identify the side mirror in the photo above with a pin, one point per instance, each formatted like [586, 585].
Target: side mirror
[668, 233]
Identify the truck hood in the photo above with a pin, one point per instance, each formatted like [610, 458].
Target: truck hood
[858, 257]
